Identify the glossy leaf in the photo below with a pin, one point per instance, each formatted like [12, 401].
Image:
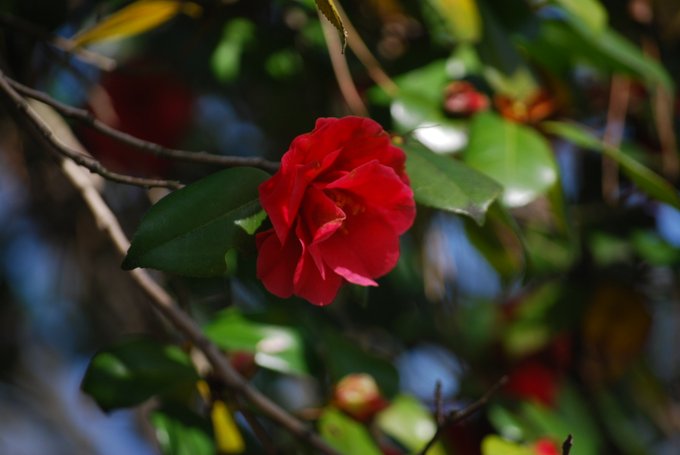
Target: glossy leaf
[136, 18]
[180, 431]
[409, 423]
[345, 434]
[275, 347]
[330, 11]
[189, 231]
[647, 180]
[131, 372]
[444, 183]
[514, 155]
[462, 18]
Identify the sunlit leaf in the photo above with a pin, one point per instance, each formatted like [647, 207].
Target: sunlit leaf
[133, 371]
[447, 184]
[409, 423]
[345, 434]
[647, 180]
[462, 18]
[330, 11]
[252, 223]
[138, 17]
[275, 347]
[495, 445]
[180, 431]
[514, 155]
[189, 231]
[228, 438]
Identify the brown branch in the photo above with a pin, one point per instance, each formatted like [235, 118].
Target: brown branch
[100, 61]
[455, 417]
[365, 56]
[90, 120]
[619, 97]
[341, 70]
[167, 306]
[33, 122]
[566, 446]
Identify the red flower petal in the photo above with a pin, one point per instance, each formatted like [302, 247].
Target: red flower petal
[276, 262]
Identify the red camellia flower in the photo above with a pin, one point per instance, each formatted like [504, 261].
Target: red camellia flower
[337, 205]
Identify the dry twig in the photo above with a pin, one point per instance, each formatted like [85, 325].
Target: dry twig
[458, 416]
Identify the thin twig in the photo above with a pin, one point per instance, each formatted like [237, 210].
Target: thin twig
[365, 56]
[566, 446]
[438, 403]
[167, 306]
[90, 120]
[341, 70]
[100, 61]
[619, 97]
[29, 118]
[455, 417]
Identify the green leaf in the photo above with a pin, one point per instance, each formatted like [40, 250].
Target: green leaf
[276, 348]
[345, 434]
[189, 231]
[590, 12]
[180, 431]
[328, 8]
[462, 18]
[441, 182]
[647, 180]
[495, 445]
[252, 223]
[514, 155]
[409, 423]
[131, 372]
[226, 58]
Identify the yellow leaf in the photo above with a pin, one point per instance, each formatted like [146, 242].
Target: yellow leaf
[136, 18]
[328, 8]
[462, 18]
[227, 437]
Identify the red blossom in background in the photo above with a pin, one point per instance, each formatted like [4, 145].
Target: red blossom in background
[338, 206]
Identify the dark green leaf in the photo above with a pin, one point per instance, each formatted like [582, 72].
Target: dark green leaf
[441, 182]
[514, 155]
[275, 347]
[646, 179]
[131, 372]
[345, 434]
[180, 431]
[189, 231]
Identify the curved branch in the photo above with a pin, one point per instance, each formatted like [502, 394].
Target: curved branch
[90, 120]
[27, 116]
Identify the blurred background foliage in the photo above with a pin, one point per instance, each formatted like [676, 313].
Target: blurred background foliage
[570, 286]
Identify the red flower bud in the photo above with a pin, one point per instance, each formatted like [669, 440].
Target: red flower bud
[359, 396]
[462, 99]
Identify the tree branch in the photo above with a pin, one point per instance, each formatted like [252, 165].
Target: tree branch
[90, 120]
[31, 120]
[458, 416]
[167, 306]
[64, 44]
[566, 446]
